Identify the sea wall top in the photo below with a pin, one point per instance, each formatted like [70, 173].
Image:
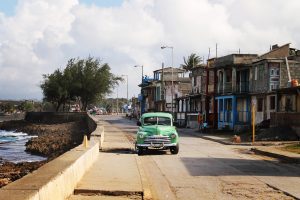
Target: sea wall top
[54, 117]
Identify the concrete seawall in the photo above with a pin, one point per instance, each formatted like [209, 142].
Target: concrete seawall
[58, 178]
[16, 116]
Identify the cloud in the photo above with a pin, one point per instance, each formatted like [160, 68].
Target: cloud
[43, 35]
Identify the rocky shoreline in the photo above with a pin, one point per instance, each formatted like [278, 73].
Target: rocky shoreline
[52, 141]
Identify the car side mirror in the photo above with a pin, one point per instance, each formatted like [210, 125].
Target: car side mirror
[138, 123]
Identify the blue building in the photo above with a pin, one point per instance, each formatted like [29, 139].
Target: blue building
[232, 94]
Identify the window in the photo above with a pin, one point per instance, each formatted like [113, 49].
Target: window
[157, 121]
[272, 72]
[228, 104]
[255, 73]
[260, 104]
[211, 78]
[261, 72]
[195, 80]
[277, 72]
[221, 104]
[228, 75]
[272, 103]
[274, 86]
[220, 77]
[158, 94]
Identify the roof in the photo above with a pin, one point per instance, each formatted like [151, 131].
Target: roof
[158, 114]
[234, 59]
[272, 54]
[169, 69]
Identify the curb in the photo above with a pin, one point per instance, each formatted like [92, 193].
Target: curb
[276, 155]
[215, 140]
[219, 141]
[224, 142]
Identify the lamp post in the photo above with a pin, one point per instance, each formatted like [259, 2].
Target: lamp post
[142, 70]
[172, 84]
[117, 100]
[127, 87]
[142, 101]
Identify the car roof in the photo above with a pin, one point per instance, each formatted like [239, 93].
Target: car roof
[158, 114]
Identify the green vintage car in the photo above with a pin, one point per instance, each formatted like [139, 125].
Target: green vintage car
[157, 131]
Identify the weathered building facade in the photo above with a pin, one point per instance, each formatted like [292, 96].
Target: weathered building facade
[232, 95]
[225, 90]
[157, 92]
[269, 72]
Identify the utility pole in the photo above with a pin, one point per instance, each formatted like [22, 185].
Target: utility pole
[172, 84]
[117, 101]
[216, 50]
[206, 88]
[126, 75]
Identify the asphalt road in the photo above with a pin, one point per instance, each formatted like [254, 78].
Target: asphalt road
[208, 170]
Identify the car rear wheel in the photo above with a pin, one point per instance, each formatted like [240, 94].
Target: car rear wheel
[174, 150]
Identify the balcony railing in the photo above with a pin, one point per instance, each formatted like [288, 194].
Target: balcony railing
[226, 88]
[242, 87]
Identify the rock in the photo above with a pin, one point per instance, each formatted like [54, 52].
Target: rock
[52, 141]
[236, 139]
[4, 181]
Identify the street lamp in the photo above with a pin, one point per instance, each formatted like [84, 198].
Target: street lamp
[117, 100]
[142, 70]
[127, 87]
[142, 101]
[172, 86]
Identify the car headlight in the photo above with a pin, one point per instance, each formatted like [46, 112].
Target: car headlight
[173, 135]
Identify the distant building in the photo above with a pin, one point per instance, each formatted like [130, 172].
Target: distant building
[157, 91]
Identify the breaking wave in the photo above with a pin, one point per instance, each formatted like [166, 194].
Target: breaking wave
[12, 147]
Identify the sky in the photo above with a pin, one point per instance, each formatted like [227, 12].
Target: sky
[39, 36]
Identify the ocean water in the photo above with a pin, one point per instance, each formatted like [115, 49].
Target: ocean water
[12, 147]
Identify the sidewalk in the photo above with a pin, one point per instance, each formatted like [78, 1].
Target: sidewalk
[274, 152]
[115, 174]
[261, 147]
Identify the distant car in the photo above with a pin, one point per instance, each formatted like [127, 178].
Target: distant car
[157, 131]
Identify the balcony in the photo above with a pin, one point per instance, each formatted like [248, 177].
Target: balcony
[242, 87]
[226, 88]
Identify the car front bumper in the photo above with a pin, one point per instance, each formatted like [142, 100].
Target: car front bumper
[152, 145]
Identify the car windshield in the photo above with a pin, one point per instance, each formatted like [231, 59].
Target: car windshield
[157, 121]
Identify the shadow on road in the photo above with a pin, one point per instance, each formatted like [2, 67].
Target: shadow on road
[235, 167]
[154, 152]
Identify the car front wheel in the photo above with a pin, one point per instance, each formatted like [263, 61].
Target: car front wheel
[174, 150]
[140, 151]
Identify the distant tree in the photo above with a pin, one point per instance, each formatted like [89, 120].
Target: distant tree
[27, 106]
[7, 107]
[47, 106]
[55, 88]
[192, 61]
[85, 80]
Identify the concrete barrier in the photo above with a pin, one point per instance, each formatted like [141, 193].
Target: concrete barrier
[58, 178]
[15, 116]
[98, 134]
